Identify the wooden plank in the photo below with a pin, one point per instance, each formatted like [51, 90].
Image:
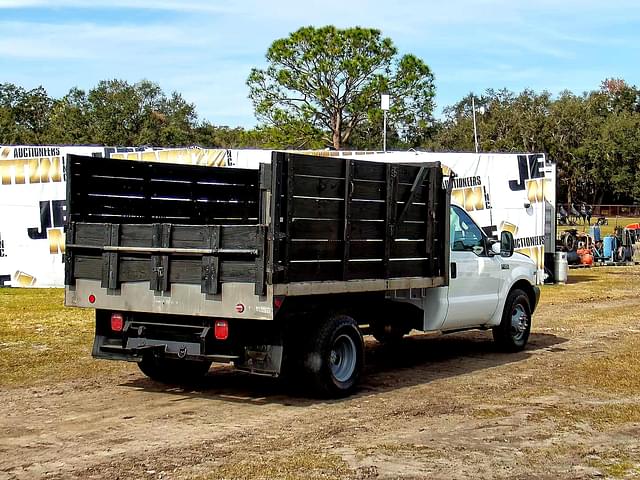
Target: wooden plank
[318, 187]
[203, 191]
[90, 233]
[321, 187]
[134, 270]
[369, 171]
[313, 208]
[361, 230]
[133, 235]
[323, 271]
[237, 271]
[210, 212]
[332, 250]
[135, 170]
[240, 236]
[111, 186]
[408, 268]
[87, 266]
[316, 166]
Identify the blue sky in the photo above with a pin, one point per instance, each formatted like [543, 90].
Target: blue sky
[205, 49]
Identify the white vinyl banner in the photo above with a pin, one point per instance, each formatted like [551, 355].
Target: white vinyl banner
[514, 192]
[33, 206]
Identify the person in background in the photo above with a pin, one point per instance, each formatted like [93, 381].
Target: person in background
[597, 251]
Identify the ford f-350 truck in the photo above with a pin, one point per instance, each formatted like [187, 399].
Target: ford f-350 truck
[281, 269]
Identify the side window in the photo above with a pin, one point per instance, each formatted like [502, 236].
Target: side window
[465, 235]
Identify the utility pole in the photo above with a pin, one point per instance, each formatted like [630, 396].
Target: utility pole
[475, 128]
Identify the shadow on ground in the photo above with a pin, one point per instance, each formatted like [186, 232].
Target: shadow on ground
[418, 359]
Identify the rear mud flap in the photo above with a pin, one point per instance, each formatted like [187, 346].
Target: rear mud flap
[262, 360]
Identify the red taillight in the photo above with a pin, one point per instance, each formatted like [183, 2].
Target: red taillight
[92, 298]
[277, 302]
[117, 322]
[221, 329]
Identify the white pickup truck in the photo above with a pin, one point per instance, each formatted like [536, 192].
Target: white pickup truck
[282, 269]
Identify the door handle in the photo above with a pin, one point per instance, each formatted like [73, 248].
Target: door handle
[454, 270]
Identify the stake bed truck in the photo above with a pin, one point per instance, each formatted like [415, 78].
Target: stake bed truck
[281, 269]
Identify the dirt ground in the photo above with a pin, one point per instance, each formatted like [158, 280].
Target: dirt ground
[437, 407]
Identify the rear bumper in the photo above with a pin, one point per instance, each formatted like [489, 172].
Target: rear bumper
[249, 346]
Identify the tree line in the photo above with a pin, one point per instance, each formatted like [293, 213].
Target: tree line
[321, 89]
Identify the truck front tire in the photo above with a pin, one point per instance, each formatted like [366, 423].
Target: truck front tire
[334, 359]
[513, 332]
[168, 370]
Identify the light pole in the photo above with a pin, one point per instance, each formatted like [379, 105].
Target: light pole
[384, 104]
[475, 128]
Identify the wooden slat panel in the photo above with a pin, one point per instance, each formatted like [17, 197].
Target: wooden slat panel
[362, 190]
[318, 187]
[189, 236]
[218, 211]
[244, 236]
[317, 166]
[134, 269]
[199, 190]
[188, 271]
[121, 170]
[132, 235]
[321, 271]
[369, 171]
[237, 271]
[184, 270]
[90, 233]
[360, 210]
[361, 230]
[323, 250]
[86, 266]
[111, 186]
[120, 191]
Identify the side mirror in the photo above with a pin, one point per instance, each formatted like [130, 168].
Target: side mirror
[506, 244]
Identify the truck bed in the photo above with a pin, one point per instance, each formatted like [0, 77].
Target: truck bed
[302, 225]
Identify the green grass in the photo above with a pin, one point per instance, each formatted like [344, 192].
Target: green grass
[43, 341]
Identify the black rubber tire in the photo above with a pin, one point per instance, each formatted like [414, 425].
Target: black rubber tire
[569, 242]
[512, 338]
[168, 370]
[321, 361]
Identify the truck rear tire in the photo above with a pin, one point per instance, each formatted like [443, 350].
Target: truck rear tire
[334, 359]
[168, 370]
[513, 332]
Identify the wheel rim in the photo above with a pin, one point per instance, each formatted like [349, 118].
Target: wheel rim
[342, 358]
[519, 323]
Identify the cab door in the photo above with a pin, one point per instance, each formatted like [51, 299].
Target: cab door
[475, 274]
